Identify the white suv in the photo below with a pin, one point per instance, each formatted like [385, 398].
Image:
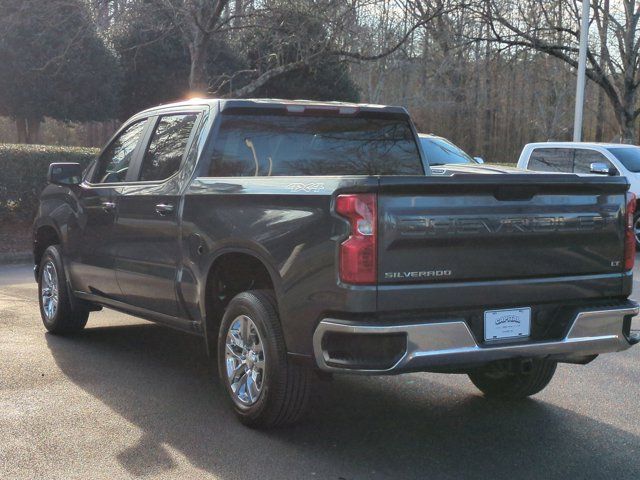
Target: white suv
[586, 158]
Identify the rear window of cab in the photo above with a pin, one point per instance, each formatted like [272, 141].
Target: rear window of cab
[295, 145]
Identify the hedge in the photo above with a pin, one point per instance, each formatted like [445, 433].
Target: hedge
[23, 175]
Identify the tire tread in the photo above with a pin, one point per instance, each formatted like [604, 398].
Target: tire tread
[515, 386]
[70, 317]
[291, 388]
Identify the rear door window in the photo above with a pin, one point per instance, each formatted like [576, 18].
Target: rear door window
[167, 146]
[551, 160]
[280, 145]
[584, 158]
[114, 162]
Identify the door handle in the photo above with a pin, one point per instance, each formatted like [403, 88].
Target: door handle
[164, 208]
[108, 206]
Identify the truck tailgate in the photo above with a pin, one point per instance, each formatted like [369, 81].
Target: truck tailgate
[480, 228]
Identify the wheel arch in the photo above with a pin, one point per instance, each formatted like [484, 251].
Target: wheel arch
[229, 272]
[44, 236]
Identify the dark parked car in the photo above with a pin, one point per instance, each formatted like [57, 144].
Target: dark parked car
[440, 151]
[305, 239]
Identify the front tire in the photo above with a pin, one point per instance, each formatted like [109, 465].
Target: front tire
[265, 388]
[60, 314]
[498, 381]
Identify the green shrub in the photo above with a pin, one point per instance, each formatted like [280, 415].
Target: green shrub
[23, 175]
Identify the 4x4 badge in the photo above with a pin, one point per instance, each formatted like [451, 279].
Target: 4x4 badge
[305, 187]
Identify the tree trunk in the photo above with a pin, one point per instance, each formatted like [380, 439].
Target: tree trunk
[21, 127]
[238, 11]
[600, 116]
[625, 112]
[33, 129]
[486, 144]
[603, 55]
[198, 49]
[28, 129]
[627, 128]
[626, 124]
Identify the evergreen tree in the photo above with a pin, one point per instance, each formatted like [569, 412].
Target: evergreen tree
[53, 64]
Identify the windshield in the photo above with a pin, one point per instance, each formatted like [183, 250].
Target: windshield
[442, 152]
[628, 156]
[281, 145]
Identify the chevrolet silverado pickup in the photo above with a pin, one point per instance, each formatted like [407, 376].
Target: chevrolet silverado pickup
[302, 240]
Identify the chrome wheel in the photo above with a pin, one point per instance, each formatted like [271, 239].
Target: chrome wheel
[636, 229]
[49, 290]
[245, 360]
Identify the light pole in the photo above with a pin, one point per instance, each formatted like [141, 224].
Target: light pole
[582, 65]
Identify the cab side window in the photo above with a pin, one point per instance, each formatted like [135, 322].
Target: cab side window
[584, 159]
[551, 160]
[166, 149]
[113, 164]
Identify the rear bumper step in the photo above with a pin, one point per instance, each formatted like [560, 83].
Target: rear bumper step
[450, 343]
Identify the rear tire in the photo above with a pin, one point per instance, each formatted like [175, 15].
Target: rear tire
[496, 381]
[60, 313]
[636, 229]
[265, 388]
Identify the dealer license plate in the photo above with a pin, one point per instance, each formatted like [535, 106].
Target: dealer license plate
[512, 323]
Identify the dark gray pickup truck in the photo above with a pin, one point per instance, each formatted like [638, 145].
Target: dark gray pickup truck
[304, 239]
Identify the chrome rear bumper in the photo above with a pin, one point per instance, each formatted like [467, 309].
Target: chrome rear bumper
[451, 343]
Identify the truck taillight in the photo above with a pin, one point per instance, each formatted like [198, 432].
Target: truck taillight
[358, 253]
[629, 233]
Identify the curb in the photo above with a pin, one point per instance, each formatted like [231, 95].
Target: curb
[18, 257]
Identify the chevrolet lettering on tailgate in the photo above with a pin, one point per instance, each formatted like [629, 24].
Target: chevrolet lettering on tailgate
[433, 226]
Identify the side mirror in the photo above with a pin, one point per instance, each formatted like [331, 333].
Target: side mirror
[602, 169]
[480, 160]
[65, 174]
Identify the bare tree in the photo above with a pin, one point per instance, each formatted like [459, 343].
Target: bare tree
[488, 74]
[197, 21]
[603, 30]
[551, 27]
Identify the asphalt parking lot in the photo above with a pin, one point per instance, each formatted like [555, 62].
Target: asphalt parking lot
[128, 399]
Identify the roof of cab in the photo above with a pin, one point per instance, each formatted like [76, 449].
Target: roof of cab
[578, 145]
[275, 103]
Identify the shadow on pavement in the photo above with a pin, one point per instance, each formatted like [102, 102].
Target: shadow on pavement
[359, 427]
